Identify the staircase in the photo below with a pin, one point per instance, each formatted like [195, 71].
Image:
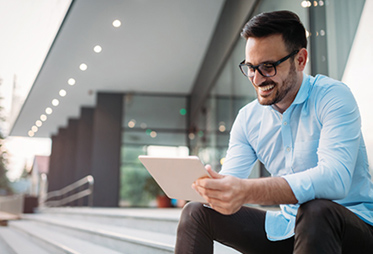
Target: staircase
[94, 230]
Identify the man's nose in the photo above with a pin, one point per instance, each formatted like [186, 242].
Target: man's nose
[257, 79]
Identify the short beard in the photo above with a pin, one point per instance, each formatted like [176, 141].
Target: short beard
[288, 85]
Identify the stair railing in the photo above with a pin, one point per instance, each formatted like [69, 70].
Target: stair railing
[71, 193]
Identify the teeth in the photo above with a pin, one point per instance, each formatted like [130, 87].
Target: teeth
[266, 88]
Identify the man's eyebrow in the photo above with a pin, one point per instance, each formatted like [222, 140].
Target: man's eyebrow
[264, 62]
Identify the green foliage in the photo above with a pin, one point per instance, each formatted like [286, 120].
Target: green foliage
[132, 187]
[5, 188]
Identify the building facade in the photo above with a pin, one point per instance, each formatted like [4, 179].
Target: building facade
[105, 139]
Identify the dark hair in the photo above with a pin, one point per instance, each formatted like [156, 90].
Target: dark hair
[285, 23]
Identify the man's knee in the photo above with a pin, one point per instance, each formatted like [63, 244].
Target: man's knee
[191, 212]
[315, 214]
[317, 207]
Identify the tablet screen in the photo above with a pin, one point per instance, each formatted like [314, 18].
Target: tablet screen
[175, 175]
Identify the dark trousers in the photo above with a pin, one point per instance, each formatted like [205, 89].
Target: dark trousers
[322, 226]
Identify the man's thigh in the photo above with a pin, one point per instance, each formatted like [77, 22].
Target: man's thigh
[243, 231]
[324, 226]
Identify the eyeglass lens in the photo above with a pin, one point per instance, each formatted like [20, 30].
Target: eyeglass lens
[267, 70]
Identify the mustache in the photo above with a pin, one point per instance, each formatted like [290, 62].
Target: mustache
[266, 83]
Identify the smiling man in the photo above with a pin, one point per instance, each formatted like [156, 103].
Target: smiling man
[307, 132]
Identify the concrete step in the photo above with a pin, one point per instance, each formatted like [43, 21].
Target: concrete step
[153, 220]
[14, 242]
[5, 245]
[114, 236]
[51, 241]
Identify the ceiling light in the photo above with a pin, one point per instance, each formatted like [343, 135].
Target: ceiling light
[62, 93]
[117, 23]
[43, 117]
[34, 128]
[55, 102]
[71, 81]
[191, 136]
[38, 123]
[132, 123]
[48, 111]
[83, 67]
[97, 49]
[31, 133]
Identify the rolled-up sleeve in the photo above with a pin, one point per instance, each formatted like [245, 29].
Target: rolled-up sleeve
[339, 116]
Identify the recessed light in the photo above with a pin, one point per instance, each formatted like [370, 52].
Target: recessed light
[48, 110]
[38, 123]
[62, 93]
[31, 133]
[34, 128]
[71, 81]
[55, 102]
[83, 67]
[97, 49]
[117, 23]
[43, 117]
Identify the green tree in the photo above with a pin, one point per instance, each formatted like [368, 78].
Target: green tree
[5, 188]
[4, 181]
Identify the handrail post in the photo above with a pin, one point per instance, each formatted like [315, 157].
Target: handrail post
[91, 181]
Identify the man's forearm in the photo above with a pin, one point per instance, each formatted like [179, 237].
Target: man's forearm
[268, 191]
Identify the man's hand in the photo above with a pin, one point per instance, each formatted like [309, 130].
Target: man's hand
[225, 194]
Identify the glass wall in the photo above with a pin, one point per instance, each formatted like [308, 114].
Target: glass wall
[230, 93]
[153, 125]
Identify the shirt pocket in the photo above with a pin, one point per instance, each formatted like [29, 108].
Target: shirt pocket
[305, 155]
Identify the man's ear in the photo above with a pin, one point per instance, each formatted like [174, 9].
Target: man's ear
[301, 59]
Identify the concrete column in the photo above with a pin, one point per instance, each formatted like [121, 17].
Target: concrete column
[58, 161]
[70, 152]
[107, 139]
[53, 169]
[83, 160]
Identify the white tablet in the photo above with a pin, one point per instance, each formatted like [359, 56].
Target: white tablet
[175, 175]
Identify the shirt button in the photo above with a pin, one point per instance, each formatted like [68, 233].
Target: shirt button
[285, 123]
[288, 149]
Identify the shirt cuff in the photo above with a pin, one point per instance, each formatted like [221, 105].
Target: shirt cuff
[301, 185]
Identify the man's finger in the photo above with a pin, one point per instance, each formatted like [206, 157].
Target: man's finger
[212, 173]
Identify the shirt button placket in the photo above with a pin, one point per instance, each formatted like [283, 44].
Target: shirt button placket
[287, 141]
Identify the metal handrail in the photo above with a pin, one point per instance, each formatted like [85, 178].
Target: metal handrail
[72, 197]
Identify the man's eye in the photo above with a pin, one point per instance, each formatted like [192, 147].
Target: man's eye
[267, 67]
[251, 68]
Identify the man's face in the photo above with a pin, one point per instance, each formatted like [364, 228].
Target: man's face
[281, 89]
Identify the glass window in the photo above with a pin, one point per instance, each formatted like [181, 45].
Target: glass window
[153, 124]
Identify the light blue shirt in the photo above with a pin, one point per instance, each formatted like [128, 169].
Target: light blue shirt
[316, 145]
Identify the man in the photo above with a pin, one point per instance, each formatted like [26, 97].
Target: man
[307, 132]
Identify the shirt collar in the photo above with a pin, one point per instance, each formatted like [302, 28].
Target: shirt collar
[304, 90]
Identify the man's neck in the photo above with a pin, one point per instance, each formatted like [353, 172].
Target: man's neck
[282, 107]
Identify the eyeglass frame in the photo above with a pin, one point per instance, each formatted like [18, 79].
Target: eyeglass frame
[256, 67]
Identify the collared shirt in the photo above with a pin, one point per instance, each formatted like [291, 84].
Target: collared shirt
[316, 145]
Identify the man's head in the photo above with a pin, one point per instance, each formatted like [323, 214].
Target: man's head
[285, 23]
[275, 57]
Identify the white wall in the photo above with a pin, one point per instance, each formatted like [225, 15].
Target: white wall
[358, 75]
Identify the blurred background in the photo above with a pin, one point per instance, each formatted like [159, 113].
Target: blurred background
[88, 86]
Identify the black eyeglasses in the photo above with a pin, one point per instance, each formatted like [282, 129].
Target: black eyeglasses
[265, 69]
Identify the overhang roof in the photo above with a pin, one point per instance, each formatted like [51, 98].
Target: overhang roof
[158, 48]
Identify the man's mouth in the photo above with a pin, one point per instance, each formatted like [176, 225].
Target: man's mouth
[266, 88]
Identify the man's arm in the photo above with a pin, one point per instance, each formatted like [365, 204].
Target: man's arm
[226, 194]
